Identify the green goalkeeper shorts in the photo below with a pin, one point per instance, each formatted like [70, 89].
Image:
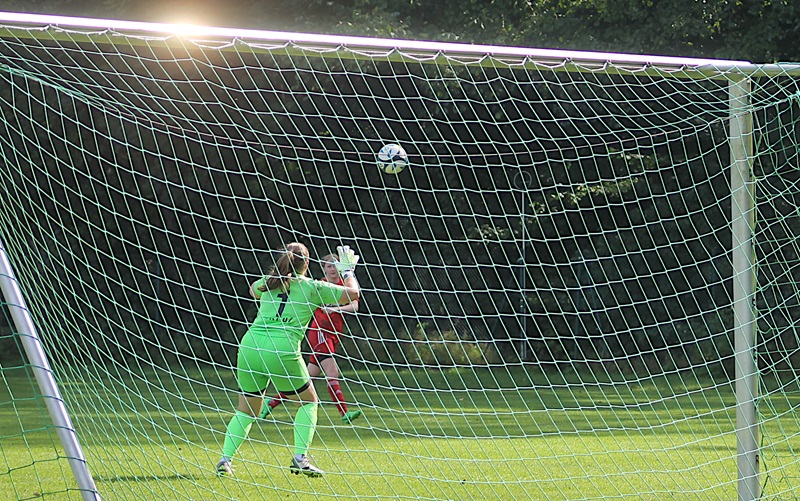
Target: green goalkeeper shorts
[263, 358]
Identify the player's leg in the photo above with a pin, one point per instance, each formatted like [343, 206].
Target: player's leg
[238, 429]
[252, 381]
[305, 424]
[331, 369]
[295, 384]
[313, 367]
[324, 357]
[322, 348]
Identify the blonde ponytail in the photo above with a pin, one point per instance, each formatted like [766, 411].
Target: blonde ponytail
[293, 262]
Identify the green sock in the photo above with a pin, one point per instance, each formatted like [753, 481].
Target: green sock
[305, 424]
[237, 431]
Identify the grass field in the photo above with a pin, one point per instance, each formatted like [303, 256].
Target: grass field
[158, 437]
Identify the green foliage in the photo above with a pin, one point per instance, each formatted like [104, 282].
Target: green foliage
[447, 349]
[745, 29]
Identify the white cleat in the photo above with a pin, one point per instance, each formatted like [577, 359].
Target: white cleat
[304, 466]
[224, 468]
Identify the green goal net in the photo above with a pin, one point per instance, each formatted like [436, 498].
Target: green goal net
[548, 288]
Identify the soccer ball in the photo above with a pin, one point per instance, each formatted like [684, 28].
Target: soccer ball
[392, 159]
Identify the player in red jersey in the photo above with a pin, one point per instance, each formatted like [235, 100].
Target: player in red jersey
[323, 337]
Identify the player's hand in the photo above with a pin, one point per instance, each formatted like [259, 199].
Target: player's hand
[347, 260]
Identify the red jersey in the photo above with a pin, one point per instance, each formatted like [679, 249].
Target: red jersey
[331, 324]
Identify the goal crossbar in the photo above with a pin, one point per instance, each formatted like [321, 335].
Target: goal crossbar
[524, 57]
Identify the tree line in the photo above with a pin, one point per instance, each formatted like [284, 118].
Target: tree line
[581, 223]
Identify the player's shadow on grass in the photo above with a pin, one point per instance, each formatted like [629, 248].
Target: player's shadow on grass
[147, 478]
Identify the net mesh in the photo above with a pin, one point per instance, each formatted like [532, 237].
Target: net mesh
[546, 308]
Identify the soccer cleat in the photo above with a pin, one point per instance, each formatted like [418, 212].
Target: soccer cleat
[224, 467]
[349, 416]
[304, 466]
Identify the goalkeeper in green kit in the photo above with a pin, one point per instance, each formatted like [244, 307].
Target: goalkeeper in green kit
[270, 349]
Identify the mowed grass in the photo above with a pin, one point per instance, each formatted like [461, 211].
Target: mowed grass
[492, 435]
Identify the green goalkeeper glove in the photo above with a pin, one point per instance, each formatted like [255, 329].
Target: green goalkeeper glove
[347, 261]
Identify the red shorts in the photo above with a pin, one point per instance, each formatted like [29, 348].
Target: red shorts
[323, 345]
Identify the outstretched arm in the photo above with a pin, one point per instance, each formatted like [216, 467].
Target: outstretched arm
[343, 308]
[346, 266]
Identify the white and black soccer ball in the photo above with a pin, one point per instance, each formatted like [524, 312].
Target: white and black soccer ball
[392, 159]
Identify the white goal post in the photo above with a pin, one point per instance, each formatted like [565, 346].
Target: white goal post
[575, 290]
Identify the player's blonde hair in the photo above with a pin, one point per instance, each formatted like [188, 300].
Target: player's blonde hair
[292, 262]
[329, 258]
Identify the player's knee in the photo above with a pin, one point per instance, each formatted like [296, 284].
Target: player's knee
[308, 400]
[330, 367]
[308, 395]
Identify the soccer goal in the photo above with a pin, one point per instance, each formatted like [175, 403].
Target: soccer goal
[584, 285]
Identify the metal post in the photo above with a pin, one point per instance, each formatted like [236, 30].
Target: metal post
[44, 377]
[742, 228]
